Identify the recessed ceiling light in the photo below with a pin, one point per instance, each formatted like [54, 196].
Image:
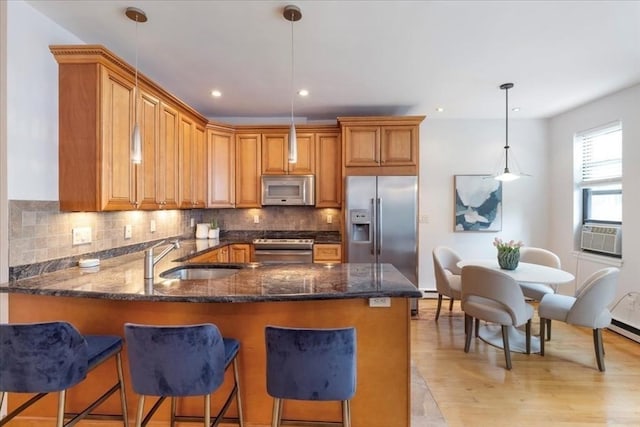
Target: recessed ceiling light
[439, 109]
[216, 93]
[515, 109]
[303, 92]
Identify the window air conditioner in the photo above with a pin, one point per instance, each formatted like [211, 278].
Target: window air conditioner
[606, 239]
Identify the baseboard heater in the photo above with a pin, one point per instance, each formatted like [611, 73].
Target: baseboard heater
[625, 330]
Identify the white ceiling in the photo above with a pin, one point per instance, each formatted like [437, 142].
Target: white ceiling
[371, 57]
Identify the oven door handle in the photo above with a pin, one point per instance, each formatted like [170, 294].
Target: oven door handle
[282, 252]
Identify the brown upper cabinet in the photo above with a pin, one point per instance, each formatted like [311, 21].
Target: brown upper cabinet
[328, 170]
[221, 150]
[193, 164]
[248, 188]
[380, 145]
[275, 154]
[167, 182]
[199, 169]
[97, 112]
[188, 162]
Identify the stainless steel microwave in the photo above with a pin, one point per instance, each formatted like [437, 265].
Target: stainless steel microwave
[288, 190]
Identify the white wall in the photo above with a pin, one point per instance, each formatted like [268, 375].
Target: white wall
[461, 147]
[32, 114]
[4, 207]
[565, 219]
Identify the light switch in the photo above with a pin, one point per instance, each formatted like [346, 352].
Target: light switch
[152, 226]
[256, 219]
[329, 219]
[127, 231]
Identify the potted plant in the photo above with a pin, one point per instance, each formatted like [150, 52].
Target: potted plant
[214, 230]
[508, 253]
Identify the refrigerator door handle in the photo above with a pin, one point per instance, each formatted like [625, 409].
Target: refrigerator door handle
[372, 231]
[379, 225]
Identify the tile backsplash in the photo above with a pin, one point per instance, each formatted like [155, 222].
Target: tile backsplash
[39, 232]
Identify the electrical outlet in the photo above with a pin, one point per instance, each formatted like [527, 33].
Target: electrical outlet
[380, 302]
[256, 219]
[81, 235]
[329, 219]
[193, 222]
[127, 231]
[152, 226]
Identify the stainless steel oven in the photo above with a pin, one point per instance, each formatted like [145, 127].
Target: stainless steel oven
[276, 251]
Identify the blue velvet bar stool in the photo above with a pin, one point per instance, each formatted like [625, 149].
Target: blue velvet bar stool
[180, 361]
[41, 358]
[311, 364]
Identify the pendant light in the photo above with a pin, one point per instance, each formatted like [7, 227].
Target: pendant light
[506, 174]
[292, 13]
[136, 15]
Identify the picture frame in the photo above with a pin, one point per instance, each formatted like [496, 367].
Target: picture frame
[478, 203]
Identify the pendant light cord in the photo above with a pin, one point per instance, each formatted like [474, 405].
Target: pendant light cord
[292, 67]
[135, 99]
[506, 131]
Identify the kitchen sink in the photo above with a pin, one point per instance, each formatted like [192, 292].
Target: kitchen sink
[200, 272]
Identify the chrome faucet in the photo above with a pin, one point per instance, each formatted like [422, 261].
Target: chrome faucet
[150, 261]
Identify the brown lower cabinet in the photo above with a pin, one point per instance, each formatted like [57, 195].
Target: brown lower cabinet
[234, 253]
[327, 252]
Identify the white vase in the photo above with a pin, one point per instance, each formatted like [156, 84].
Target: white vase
[202, 231]
[214, 233]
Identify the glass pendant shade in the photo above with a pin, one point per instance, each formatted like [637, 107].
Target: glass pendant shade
[136, 145]
[293, 144]
[507, 176]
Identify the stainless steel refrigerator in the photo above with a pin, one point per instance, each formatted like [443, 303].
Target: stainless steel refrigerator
[381, 220]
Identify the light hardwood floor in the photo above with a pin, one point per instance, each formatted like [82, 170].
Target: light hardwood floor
[563, 388]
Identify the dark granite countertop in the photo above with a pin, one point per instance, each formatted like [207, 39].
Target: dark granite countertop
[20, 272]
[121, 278]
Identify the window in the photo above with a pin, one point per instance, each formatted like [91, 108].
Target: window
[601, 173]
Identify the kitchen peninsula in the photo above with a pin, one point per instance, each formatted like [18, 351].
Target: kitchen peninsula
[241, 305]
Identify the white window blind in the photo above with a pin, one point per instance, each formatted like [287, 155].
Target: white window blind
[601, 154]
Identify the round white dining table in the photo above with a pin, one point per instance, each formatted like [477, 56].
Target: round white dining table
[524, 273]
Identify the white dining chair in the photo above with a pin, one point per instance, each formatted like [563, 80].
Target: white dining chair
[531, 255]
[494, 297]
[589, 307]
[447, 275]
[535, 291]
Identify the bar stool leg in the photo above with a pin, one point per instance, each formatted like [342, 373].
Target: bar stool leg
[207, 410]
[277, 412]
[346, 413]
[140, 411]
[123, 397]
[236, 378]
[1, 398]
[62, 396]
[173, 411]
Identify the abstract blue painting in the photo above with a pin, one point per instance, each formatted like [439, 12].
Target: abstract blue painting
[478, 203]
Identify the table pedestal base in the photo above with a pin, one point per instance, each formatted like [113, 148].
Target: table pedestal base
[492, 334]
